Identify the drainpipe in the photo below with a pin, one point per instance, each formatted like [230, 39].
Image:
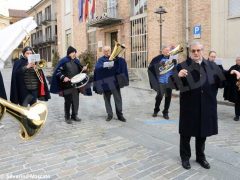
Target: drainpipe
[187, 26]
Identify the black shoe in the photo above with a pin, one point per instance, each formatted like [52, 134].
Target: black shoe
[186, 164]
[165, 116]
[154, 114]
[236, 118]
[109, 118]
[68, 120]
[204, 163]
[122, 119]
[76, 118]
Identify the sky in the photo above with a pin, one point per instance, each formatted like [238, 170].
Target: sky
[21, 4]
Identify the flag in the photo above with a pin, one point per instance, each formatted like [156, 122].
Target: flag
[80, 10]
[93, 9]
[86, 10]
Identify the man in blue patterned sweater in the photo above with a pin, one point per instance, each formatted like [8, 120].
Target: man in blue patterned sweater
[160, 82]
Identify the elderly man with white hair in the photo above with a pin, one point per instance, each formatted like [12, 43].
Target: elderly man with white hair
[109, 78]
[198, 81]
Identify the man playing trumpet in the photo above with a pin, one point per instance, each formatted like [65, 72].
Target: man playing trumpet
[28, 83]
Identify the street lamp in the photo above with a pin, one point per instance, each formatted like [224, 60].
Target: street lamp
[160, 11]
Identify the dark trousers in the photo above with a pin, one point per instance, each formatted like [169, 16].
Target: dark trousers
[185, 149]
[237, 109]
[168, 96]
[117, 99]
[31, 98]
[71, 100]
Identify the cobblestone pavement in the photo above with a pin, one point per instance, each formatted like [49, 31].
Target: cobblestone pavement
[142, 148]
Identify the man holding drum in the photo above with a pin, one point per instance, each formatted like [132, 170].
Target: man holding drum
[67, 68]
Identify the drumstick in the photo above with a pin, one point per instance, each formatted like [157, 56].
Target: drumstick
[82, 69]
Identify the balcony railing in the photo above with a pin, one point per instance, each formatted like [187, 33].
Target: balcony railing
[37, 41]
[51, 39]
[109, 16]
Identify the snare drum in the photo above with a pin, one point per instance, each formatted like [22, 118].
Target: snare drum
[79, 80]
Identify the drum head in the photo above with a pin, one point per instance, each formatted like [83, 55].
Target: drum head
[79, 80]
[78, 77]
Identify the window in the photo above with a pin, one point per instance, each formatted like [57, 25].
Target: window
[48, 32]
[233, 8]
[139, 7]
[39, 37]
[48, 13]
[112, 8]
[39, 18]
[68, 38]
[33, 39]
[139, 46]
[92, 42]
[67, 6]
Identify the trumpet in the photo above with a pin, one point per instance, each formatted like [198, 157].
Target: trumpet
[31, 119]
[169, 65]
[40, 65]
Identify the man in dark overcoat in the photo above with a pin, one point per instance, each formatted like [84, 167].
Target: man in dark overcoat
[2, 88]
[198, 81]
[231, 90]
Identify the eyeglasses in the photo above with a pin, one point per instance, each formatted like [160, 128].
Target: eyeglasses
[195, 50]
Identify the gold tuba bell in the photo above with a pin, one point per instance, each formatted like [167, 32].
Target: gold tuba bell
[30, 119]
[169, 65]
[118, 48]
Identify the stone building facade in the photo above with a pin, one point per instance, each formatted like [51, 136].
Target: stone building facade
[133, 23]
[44, 37]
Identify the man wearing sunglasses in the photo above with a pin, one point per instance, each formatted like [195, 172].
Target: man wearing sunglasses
[198, 81]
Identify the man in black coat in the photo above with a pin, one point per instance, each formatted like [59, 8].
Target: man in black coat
[198, 81]
[108, 80]
[231, 91]
[159, 83]
[26, 86]
[68, 67]
[2, 88]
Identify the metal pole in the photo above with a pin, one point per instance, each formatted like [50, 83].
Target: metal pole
[160, 33]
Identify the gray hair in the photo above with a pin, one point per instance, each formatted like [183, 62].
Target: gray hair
[164, 46]
[195, 43]
[106, 48]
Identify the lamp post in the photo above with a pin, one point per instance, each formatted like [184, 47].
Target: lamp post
[160, 11]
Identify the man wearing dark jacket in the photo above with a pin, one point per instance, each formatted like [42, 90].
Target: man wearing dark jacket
[2, 94]
[26, 86]
[109, 80]
[67, 68]
[160, 82]
[231, 90]
[198, 81]
[2, 88]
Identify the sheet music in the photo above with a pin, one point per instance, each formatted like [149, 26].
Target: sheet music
[33, 58]
[108, 64]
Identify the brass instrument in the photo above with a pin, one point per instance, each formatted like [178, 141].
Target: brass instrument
[169, 65]
[30, 119]
[40, 65]
[118, 48]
